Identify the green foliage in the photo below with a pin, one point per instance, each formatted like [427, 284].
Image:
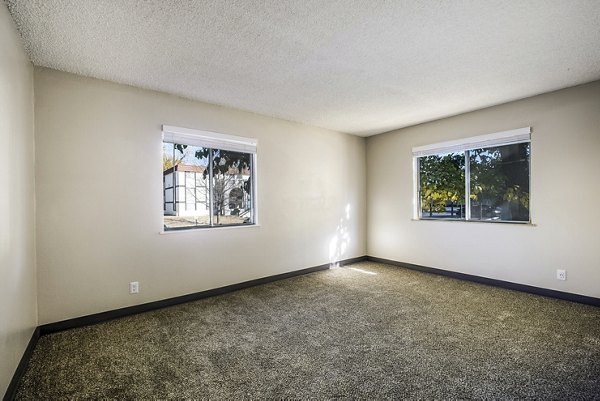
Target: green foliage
[442, 181]
[499, 180]
[487, 179]
[500, 176]
[517, 194]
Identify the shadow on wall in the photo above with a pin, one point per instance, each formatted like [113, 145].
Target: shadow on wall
[339, 243]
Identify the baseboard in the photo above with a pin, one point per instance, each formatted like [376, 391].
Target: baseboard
[567, 296]
[131, 310]
[11, 391]
[351, 261]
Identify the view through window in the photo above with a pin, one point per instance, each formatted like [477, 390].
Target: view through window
[480, 184]
[206, 187]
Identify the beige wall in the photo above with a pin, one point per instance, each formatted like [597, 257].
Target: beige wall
[565, 190]
[99, 198]
[18, 314]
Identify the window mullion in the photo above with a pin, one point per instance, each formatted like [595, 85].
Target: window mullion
[174, 183]
[467, 185]
[210, 186]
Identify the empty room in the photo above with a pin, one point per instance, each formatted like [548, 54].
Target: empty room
[261, 199]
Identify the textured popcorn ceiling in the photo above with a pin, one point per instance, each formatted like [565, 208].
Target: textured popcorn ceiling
[356, 66]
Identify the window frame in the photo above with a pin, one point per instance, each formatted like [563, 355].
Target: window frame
[503, 138]
[213, 141]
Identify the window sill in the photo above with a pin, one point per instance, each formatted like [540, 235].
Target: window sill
[516, 223]
[187, 230]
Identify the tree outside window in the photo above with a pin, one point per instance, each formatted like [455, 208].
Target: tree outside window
[497, 179]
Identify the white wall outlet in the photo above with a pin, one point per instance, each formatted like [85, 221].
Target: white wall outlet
[134, 287]
[561, 274]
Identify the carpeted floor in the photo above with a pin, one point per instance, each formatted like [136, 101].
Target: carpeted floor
[366, 331]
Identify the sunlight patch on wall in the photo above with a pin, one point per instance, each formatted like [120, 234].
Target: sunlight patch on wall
[339, 243]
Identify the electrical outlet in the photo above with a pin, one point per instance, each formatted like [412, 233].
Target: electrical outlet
[134, 287]
[561, 274]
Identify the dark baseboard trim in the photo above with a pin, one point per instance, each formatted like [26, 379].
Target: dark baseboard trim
[131, 310]
[11, 391]
[567, 296]
[351, 261]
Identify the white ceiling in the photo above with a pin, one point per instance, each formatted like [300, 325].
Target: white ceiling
[355, 66]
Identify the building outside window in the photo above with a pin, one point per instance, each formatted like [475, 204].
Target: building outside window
[208, 179]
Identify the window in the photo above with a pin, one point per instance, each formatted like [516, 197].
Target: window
[208, 179]
[484, 178]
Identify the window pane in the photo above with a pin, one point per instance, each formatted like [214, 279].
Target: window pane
[232, 188]
[500, 183]
[185, 186]
[442, 186]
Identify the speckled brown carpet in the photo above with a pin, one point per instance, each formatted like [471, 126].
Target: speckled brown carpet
[365, 331]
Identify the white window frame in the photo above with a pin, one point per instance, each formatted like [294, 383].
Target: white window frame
[215, 140]
[510, 137]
